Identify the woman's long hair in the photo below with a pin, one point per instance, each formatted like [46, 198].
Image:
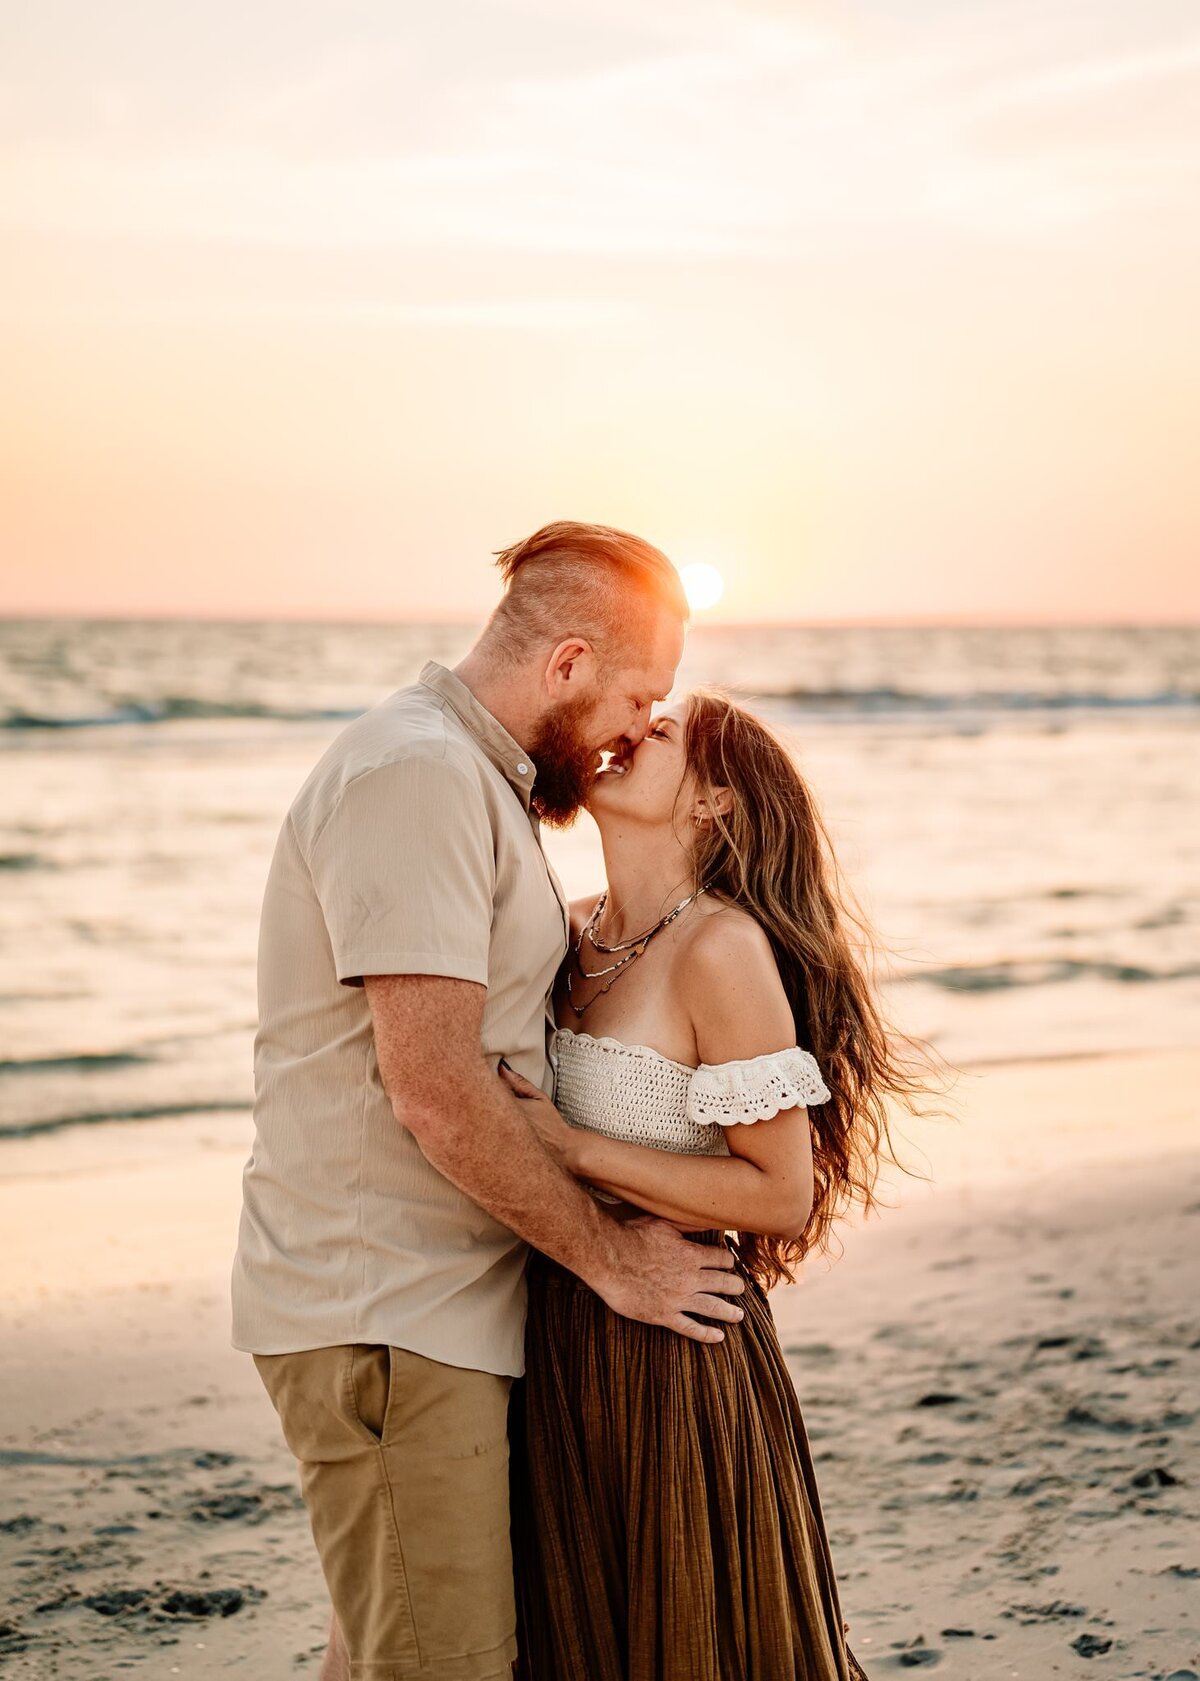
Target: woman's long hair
[771, 855]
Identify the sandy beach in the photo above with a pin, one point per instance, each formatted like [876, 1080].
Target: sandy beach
[998, 1376]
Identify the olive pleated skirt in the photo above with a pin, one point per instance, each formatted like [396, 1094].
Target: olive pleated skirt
[666, 1521]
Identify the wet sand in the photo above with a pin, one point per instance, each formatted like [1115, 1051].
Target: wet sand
[999, 1377]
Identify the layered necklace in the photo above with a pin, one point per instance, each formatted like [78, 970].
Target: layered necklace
[631, 949]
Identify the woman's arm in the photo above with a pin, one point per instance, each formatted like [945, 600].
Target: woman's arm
[700, 1193]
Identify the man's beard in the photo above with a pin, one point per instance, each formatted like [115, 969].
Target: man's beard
[566, 764]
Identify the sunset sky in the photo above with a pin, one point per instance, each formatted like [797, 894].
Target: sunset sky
[884, 309]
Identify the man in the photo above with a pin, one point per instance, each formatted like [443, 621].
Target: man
[411, 931]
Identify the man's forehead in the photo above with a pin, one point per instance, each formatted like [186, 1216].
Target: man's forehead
[655, 676]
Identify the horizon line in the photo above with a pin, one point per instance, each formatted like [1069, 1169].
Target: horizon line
[702, 620]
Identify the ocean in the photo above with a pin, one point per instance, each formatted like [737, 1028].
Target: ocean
[1017, 809]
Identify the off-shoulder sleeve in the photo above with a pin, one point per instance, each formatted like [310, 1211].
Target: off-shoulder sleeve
[732, 1093]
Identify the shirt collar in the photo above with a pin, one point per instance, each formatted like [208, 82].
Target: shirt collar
[508, 756]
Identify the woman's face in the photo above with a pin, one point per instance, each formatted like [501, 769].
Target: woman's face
[652, 784]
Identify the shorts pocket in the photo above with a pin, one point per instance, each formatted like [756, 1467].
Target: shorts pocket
[368, 1387]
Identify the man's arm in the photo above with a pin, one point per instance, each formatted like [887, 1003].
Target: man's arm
[472, 1129]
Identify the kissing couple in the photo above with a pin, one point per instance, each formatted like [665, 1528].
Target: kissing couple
[524, 1170]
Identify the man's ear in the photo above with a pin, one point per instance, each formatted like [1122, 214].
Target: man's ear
[573, 659]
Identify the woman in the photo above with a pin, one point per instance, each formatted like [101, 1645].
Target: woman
[666, 1520]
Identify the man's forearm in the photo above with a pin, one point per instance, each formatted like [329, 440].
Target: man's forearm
[485, 1146]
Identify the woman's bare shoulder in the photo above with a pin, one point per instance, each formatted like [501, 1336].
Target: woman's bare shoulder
[724, 932]
[732, 989]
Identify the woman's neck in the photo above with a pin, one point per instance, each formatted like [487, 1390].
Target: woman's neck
[647, 874]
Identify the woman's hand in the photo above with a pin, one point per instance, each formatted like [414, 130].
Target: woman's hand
[560, 1139]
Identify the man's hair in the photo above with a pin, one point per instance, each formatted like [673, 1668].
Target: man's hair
[587, 580]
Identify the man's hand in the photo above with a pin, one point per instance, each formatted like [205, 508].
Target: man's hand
[664, 1278]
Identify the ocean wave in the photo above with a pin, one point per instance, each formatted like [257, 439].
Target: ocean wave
[173, 708]
[82, 1062]
[885, 699]
[880, 701]
[997, 977]
[147, 1112]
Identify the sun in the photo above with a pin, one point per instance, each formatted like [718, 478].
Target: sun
[702, 584]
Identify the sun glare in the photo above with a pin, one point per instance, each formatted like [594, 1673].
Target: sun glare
[703, 585]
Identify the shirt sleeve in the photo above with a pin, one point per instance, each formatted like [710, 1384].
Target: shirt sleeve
[405, 873]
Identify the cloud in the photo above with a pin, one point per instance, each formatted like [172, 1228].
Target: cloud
[1092, 78]
[760, 135]
[540, 314]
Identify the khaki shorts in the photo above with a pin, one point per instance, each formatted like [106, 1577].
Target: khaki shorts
[404, 1470]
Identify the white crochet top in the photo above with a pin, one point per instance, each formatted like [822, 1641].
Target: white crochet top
[634, 1093]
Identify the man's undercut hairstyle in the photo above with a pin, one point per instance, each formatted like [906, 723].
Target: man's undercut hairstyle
[584, 580]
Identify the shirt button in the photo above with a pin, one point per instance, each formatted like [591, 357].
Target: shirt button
[523, 768]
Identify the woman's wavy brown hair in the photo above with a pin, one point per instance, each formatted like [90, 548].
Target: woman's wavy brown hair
[771, 855]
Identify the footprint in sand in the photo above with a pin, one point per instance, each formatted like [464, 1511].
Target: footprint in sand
[916, 1654]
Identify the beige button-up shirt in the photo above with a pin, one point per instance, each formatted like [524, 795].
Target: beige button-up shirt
[411, 849]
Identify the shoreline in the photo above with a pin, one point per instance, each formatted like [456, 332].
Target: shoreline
[995, 1377]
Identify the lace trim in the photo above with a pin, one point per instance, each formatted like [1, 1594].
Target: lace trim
[621, 1047]
[728, 1093]
[739, 1093]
